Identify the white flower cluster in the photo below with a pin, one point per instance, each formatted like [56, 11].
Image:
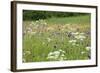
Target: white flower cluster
[57, 55]
[80, 36]
[77, 36]
[73, 42]
[87, 49]
[33, 27]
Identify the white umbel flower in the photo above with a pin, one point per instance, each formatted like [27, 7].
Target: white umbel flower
[56, 55]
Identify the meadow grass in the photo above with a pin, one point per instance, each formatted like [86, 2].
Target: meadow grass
[70, 20]
[71, 35]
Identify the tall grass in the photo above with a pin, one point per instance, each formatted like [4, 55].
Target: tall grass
[39, 43]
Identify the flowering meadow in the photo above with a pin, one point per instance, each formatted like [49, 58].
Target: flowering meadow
[57, 39]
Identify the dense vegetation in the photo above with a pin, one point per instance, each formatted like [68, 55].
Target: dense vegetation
[56, 36]
[36, 15]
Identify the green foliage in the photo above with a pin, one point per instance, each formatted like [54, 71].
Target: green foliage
[36, 15]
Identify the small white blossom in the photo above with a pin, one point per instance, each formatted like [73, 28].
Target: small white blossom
[56, 52]
[82, 52]
[62, 55]
[80, 37]
[72, 41]
[88, 48]
[75, 33]
[61, 51]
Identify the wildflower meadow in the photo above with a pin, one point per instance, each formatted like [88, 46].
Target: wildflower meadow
[56, 36]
